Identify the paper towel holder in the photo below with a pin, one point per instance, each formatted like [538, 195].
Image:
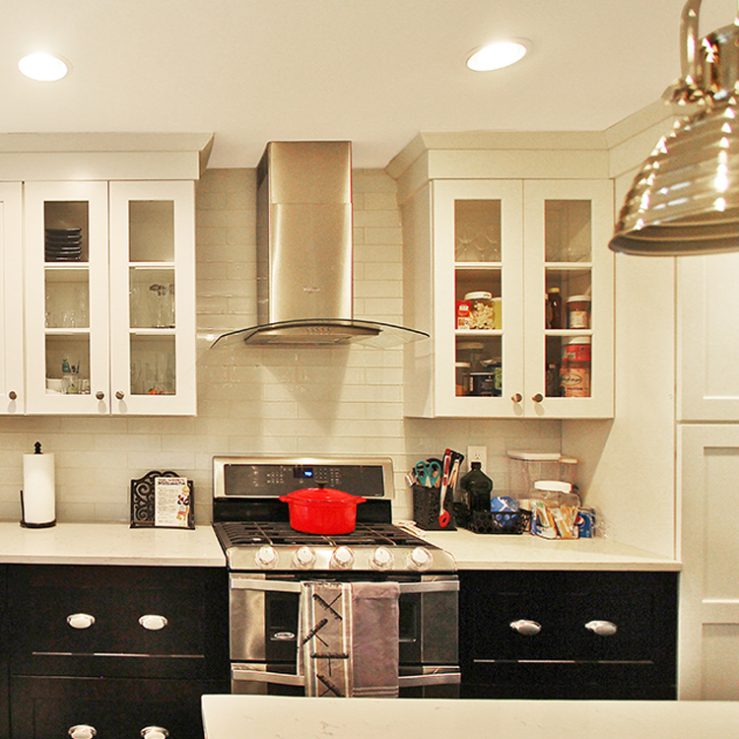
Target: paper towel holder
[36, 524]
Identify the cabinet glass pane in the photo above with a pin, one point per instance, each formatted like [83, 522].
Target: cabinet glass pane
[478, 299]
[568, 230]
[152, 303]
[153, 367]
[68, 364]
[477, 228]
[67, 298]
[151, 230]
[66, 231]
[478, 365]
[568, 301]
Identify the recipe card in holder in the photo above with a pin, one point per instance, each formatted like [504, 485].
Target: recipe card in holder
[426, 508]
[162, 500]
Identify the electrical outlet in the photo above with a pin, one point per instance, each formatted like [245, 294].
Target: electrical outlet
[477, 454]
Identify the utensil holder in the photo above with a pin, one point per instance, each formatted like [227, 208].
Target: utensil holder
[426, 508]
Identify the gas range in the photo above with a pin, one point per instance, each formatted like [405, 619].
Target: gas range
[252, 524]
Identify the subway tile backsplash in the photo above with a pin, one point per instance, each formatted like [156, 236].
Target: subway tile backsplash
[257, 400]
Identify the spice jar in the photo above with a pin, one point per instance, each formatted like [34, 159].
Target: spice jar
[482, 312]
[578, 311]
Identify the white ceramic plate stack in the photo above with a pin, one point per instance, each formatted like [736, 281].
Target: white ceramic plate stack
[63, 244]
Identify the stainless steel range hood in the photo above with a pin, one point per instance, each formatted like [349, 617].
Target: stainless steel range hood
[304, 251]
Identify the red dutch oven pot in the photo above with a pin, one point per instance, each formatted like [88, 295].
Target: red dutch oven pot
[322, 510]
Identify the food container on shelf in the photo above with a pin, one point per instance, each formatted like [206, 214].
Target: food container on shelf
[482, 310]
[322, 510]
[462, 378]
[578, 311]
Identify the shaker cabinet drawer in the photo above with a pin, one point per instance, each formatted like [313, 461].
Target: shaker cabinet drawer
[117, 621]
[44, 708]
[568, 634]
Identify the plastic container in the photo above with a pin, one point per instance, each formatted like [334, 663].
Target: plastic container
[577, 349]
[322, 510]
[554, 510]
[578, 311]
[526, 468]
[462, 378]
[482, 311]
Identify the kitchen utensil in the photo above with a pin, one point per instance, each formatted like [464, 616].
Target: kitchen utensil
[444, 514]
[428, 473]
[322, 510]
[38, 501]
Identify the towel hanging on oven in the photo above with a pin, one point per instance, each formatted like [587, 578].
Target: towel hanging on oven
[348, 639]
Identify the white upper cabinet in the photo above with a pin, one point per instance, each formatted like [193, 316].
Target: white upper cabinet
[708, 338]
[12, 396]
[514, 281]
[110, 314]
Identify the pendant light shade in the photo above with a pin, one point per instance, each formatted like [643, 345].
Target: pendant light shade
[685, 198]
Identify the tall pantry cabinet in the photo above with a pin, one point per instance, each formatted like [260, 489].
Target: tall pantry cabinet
[708, 475]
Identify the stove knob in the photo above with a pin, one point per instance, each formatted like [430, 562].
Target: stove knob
[267, 558]
[382, 559]
[304, 558]
[342, 558]
[420, 559]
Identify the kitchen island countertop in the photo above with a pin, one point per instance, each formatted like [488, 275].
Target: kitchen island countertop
[272, 717]
[109, 544]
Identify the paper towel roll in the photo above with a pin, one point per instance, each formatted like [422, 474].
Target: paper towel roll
[39, 504]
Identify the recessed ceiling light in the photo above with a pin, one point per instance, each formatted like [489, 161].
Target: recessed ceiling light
[43, 67]
[497, 55]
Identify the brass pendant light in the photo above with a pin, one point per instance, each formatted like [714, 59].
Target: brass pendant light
[685, 199]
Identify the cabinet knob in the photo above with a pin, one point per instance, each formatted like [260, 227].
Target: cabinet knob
[152, 622]
[119, 394]
[99, 394]
[154, 732]
[82, 731]
[537, 398]
[13, 395]
[80, 620]
[602, 628]
[526, 627]
[516, 397]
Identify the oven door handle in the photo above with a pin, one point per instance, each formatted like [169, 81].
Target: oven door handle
[430, 676]
[292, 586]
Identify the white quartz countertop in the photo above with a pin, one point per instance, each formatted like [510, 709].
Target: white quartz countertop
[274, 717]
[525, 552]
[109, 544]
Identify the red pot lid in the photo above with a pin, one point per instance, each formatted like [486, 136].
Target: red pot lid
[322, 495]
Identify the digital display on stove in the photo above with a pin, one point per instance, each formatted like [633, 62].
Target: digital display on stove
[302, 473]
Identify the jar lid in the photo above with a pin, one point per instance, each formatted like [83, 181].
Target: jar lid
[553, 486]
[479, 296]
[579, 299]
[470, 345]
[462, 365]
[579, 340]
[535, 456]
[553, 290]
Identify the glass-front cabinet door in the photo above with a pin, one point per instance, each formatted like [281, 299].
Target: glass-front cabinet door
[12, 398]
[66, 235]
[568, 283]
[152, 289]
[479, 304]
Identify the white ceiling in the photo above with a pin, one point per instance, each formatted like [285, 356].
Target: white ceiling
[375, 72]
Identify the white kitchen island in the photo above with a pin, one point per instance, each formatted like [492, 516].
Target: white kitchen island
[273, 717]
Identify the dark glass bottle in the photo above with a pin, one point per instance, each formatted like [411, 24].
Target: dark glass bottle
[554, 308]
[476, 488]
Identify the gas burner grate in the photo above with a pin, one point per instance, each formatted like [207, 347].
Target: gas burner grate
[260, 533]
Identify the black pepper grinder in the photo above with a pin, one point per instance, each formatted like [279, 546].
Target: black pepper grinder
[476, 488]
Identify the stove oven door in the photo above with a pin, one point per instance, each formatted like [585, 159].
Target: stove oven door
[264, 625]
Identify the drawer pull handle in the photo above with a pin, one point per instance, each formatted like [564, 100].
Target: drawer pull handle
[154, 732]
[80, 621]
[82, 731]
[526, 627]
[153, 623]
[602, 628]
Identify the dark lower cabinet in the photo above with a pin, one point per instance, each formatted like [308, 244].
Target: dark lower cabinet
[4, 639]
[115, 708]
[568, 635]
[118, 649]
